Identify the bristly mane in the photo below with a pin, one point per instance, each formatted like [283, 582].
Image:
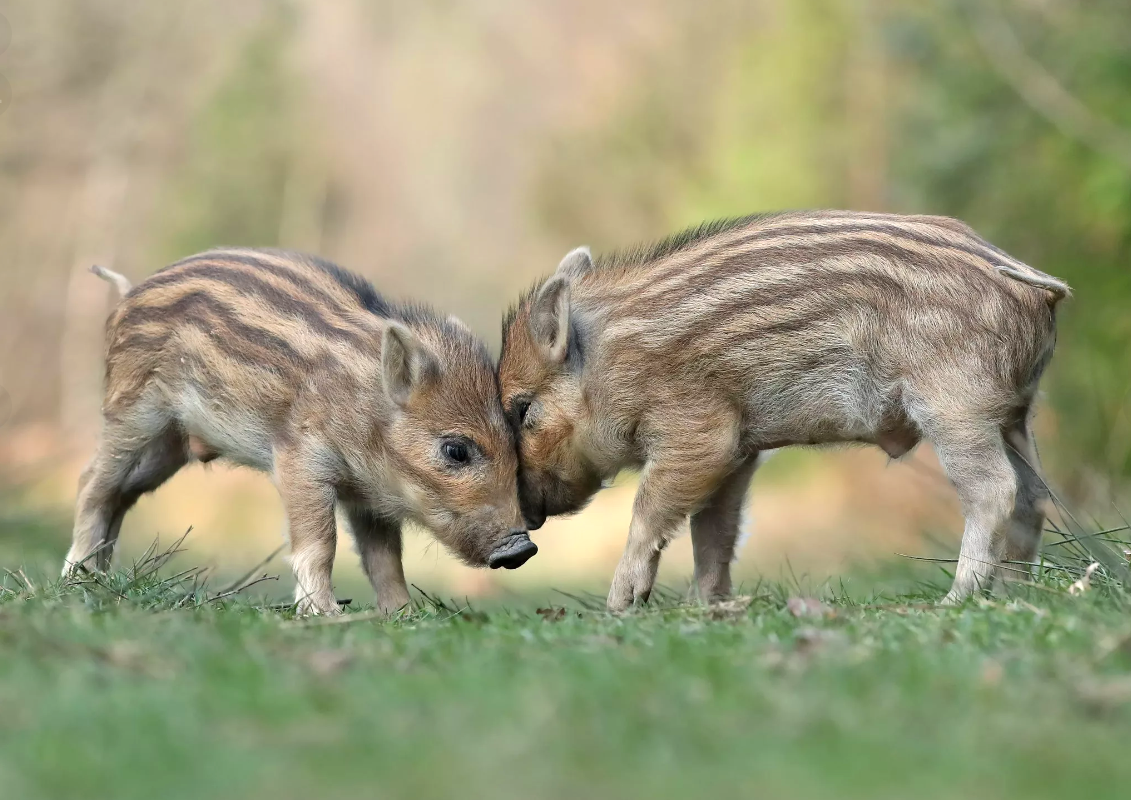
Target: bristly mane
[373, 302]
[646, 253]
[512, 313]
[356, 285]
[368, 296]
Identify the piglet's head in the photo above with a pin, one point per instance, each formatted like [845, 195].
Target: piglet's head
[450, 445]
[540, 383]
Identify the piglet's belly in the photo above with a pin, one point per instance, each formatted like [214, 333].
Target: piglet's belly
[239, 436]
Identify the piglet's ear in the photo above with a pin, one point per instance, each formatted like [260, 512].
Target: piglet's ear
[576, 262]
[407, 365]
[549, 319]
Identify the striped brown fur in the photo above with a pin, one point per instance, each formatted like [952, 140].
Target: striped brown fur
[290, 365]
[690, 358]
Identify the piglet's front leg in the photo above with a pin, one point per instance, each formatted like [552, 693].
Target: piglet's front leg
[654, 524]
[670, 490]
[379, 545]
[309, 502]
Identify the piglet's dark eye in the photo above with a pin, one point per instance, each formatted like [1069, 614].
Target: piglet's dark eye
[456, 452]
[520, 409]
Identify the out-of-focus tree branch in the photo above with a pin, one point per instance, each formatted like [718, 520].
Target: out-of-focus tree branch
[1040, 89]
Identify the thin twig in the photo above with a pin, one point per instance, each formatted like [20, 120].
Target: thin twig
[588, 605]
[17, 578]
[925, 558]
[239, 589]
[1041, 90]
[254, 569]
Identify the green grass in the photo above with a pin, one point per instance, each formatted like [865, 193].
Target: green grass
[135, 685]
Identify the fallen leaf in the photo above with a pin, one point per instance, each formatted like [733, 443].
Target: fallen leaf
[729, 609]
[807, 607]
[551, 614]
[1085, 583]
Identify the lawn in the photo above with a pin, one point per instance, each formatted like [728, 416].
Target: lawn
[142, 684]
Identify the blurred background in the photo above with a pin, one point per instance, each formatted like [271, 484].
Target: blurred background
[453, 152]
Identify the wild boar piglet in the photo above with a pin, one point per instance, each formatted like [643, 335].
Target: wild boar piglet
[290, 365]
[690, 358]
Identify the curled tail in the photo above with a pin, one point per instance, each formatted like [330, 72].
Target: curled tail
[120, 282]
[1059, 289]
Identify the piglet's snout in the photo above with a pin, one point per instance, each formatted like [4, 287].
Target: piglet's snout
[513, 551]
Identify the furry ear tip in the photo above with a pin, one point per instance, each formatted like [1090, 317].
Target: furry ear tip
[398, 333]
[549, 318]
[406, 363]
[456, 322]
[576, 261]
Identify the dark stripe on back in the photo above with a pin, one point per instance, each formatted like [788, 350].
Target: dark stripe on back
[248, 356]
[294, 277]
[645, 254]
[248, 283]
[357, 288]
[246, 343]
[737, 259]
[828, 246]
[356, 285]
[883, 288]
[977, 248]
[829, 294]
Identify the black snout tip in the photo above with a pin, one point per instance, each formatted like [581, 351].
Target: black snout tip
[512, 552]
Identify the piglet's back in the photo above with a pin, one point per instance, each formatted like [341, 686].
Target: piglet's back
[752, 294]
[241, 330]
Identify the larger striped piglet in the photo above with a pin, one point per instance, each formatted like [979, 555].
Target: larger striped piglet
[688, 359]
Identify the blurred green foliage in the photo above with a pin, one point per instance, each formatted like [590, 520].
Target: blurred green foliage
[231, 188]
